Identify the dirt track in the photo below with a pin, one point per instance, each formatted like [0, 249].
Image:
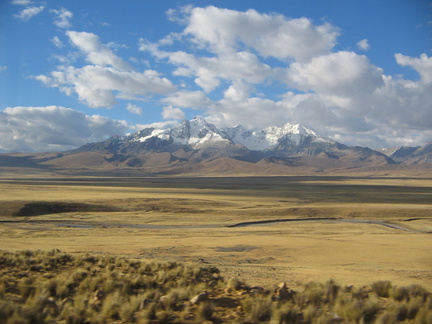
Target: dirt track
[86, 224]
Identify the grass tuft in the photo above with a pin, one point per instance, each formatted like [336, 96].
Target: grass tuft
[107, 289]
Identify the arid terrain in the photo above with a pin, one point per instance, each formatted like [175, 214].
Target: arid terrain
[261, 230]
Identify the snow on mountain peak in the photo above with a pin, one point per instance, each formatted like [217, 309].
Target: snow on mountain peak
[196, 133]
[202, 133]
[272, 136]
[199, 133]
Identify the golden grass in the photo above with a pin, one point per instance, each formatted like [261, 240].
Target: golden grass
[55, 287]
[185, 219]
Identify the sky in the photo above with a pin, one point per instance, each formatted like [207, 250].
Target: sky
[74, 72]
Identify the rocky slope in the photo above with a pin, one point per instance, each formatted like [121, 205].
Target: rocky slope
[198, 147]
[410, 155]
[203, 140]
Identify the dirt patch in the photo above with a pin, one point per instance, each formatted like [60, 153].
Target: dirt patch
[235, 248]
[46, 207]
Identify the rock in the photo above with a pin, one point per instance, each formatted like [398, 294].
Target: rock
[199, 298]
[283, 292]
[145, 302]
[99, 295]
[67, 300]
[282, 286]
[256, 290]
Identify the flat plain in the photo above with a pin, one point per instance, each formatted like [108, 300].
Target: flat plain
[262, 230]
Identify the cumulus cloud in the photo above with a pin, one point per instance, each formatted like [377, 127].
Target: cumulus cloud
[95, 51]
[21, 2]
[255, 69]
[99, 86]
[238, 91]
[271, 35]
[57, 42]
[107, 79]
[238, 41]
[169, 112]
[339, 93]
[42, 129]
[209, 71]
[27, 13]
[363, 45]
[133, 109]
[63, 17]
[423, 65]
[3, 68]
[188, 99]
[344, 73]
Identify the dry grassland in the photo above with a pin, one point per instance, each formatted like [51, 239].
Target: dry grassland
[352, 230]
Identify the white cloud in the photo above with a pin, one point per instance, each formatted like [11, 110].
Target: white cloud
[133, 109]
[238, 91]
[95, 51]
[343, 73]
[230, 66]
[63, 17]
[271, 35]
[258, 70]
[169, 112]
[110, 77]
[21, 2]
[340, 94]
[98, 86]
[159, 125]
[57, 42]
[27, 13]
[188, 99]
[251, 113]
[423, 65]
[3, 68]
[209, 71]
[363, 45]
[232, 35]
[39, 129]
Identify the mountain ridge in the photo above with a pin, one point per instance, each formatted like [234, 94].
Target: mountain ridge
[198, 147]
[198, 134]
[410, 155]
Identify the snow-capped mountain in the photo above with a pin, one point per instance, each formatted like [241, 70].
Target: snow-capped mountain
[410, 155]
[198, 147]
[273, 137]
[197, 134]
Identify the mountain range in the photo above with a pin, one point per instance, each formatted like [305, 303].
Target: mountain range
[198, 147]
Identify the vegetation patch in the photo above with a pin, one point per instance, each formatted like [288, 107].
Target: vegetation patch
[49, 207]
[239, 248]
[55, 287]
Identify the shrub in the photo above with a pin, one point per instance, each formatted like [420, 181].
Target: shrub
[289, 314]
[424, 316]
[259, 309]
[357, 309]
[205, 311]
[233, 284]
[106, 289]
[382, 288]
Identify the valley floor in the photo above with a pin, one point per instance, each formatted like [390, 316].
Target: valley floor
[350, 229]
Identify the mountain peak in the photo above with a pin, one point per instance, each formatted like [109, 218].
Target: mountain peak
[273, 137]
[194, 141]
[198, 133]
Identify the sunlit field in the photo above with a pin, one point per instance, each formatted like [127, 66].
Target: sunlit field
[259, 230]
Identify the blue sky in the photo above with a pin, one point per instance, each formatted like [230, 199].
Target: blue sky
[73, 72]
